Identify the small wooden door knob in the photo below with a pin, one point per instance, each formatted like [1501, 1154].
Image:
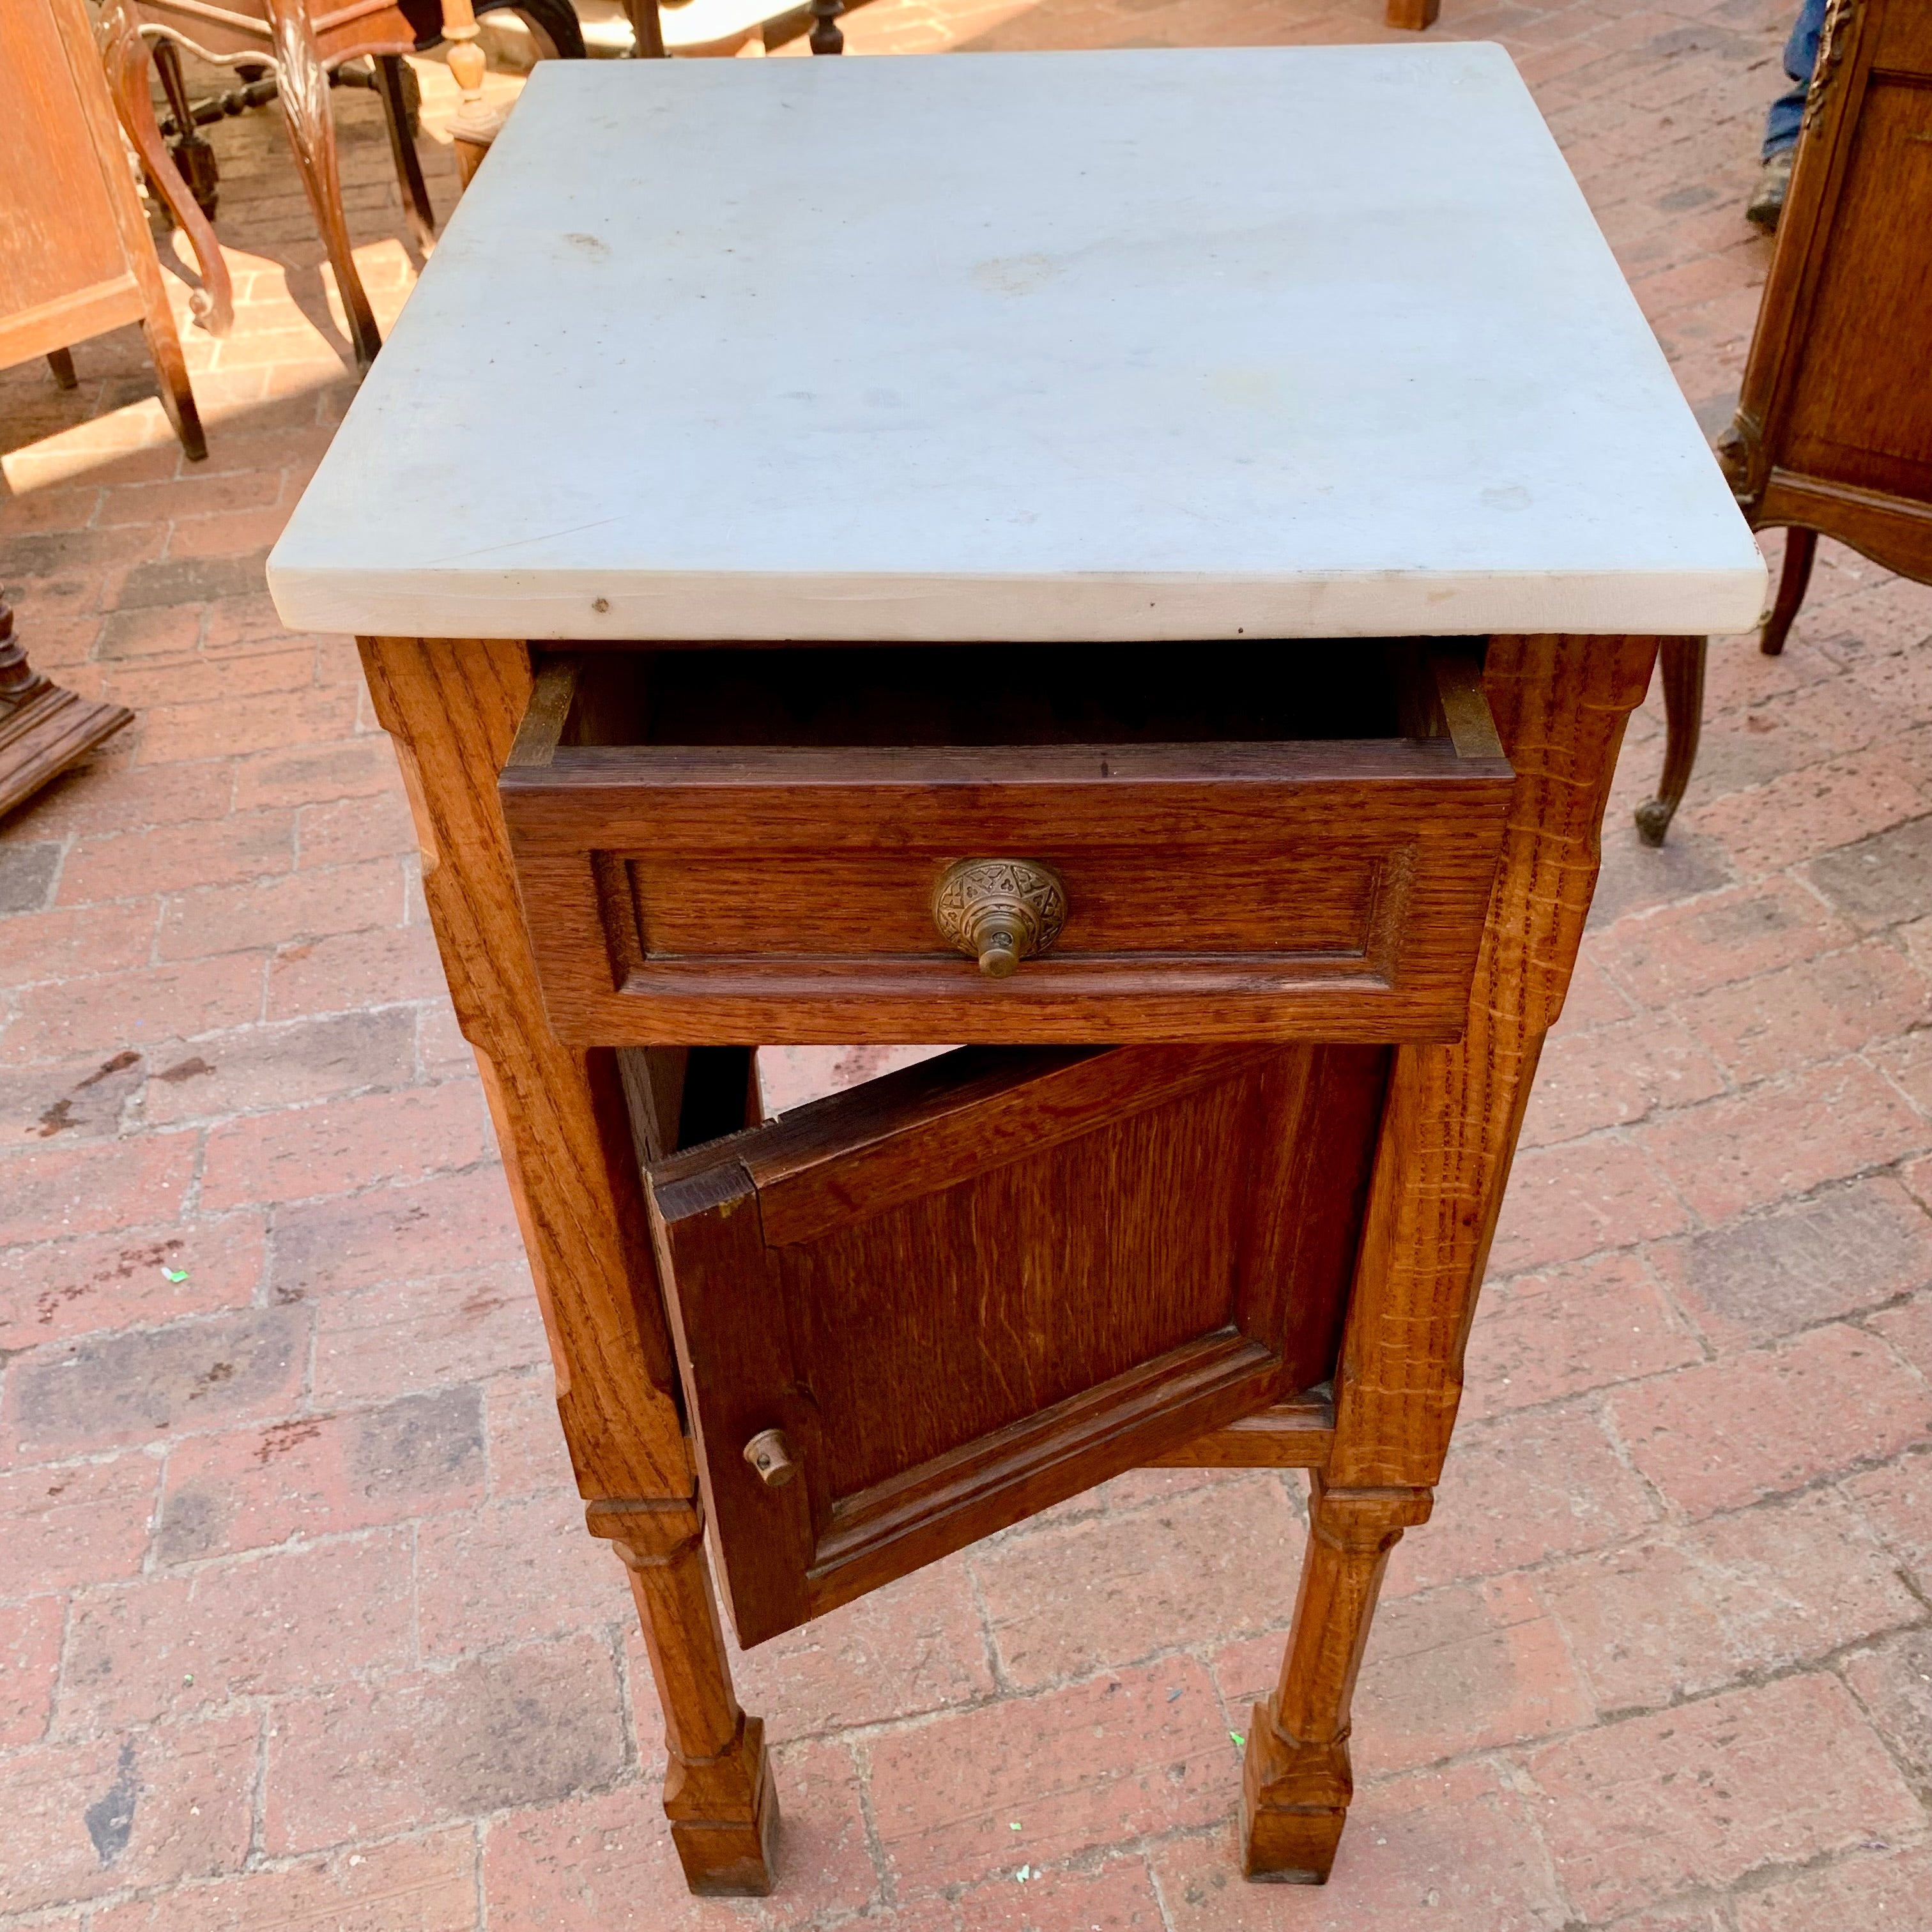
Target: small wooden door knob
[1000, 911]
[770, 1454]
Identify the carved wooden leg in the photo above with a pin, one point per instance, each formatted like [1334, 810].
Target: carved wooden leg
[1794, 579]
[60, 362]
[422, 216]
[718, 1793]
[1414, 14]
[1681, 661]
[302, 86]
[566, 1134]
[1296, 1781]
[124, 53]
[1449, 1128]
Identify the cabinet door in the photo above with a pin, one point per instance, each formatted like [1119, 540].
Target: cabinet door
[1860, 410]
[969, 1290]
[60, 246]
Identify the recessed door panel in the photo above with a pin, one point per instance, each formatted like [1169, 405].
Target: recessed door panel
[964, 1291]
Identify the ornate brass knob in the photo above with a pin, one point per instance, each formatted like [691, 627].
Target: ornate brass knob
[1000, 911]
[770, 1454]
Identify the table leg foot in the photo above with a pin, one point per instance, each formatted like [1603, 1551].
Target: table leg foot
[1296, 1780]
[719, 1792]
[1295, 1802]
[724, 1815]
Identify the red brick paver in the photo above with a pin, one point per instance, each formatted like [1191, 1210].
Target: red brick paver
[297, 1627]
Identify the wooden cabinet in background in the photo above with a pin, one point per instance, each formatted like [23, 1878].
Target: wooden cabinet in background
[76, 256]
[1833, 433]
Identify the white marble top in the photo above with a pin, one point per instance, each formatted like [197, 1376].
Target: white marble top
[1287, 342]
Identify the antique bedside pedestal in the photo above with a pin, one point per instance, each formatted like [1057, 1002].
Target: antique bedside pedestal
[1082, 554]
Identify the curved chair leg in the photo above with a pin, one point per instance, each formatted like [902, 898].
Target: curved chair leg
[302, 85]
[409, 165]
[1682, 660]
[125, 56]
[193, 157]
[177, 398]
[1801, 547]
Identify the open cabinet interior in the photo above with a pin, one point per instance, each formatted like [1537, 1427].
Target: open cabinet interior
[1232, 691]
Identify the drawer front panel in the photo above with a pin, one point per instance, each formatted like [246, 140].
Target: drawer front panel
[694, 907]
[1290, 892]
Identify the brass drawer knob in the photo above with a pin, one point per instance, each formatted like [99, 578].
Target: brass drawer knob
[770, 1454]
[1000, 911]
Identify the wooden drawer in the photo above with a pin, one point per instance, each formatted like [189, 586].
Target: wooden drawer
[746, 846]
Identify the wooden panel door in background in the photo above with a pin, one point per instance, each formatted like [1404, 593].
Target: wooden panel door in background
[1860, 412]
[970, 1289]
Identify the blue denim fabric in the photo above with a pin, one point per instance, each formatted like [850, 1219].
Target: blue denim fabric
[1800, 56]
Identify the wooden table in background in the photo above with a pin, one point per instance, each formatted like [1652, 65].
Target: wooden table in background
[1120, 594]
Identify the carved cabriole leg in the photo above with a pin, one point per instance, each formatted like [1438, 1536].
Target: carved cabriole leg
[718, 1793]
[1448, 1132]
[302, 85]
[1681, 660]
[125, 54]
[1794, 579]
[565, 1131]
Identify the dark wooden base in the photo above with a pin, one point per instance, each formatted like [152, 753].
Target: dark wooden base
[44, 734]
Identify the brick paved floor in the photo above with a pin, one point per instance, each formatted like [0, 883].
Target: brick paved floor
[298, 1626]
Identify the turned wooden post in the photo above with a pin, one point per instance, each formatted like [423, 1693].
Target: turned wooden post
[44, 727]
[18, 680]
[475, 126]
